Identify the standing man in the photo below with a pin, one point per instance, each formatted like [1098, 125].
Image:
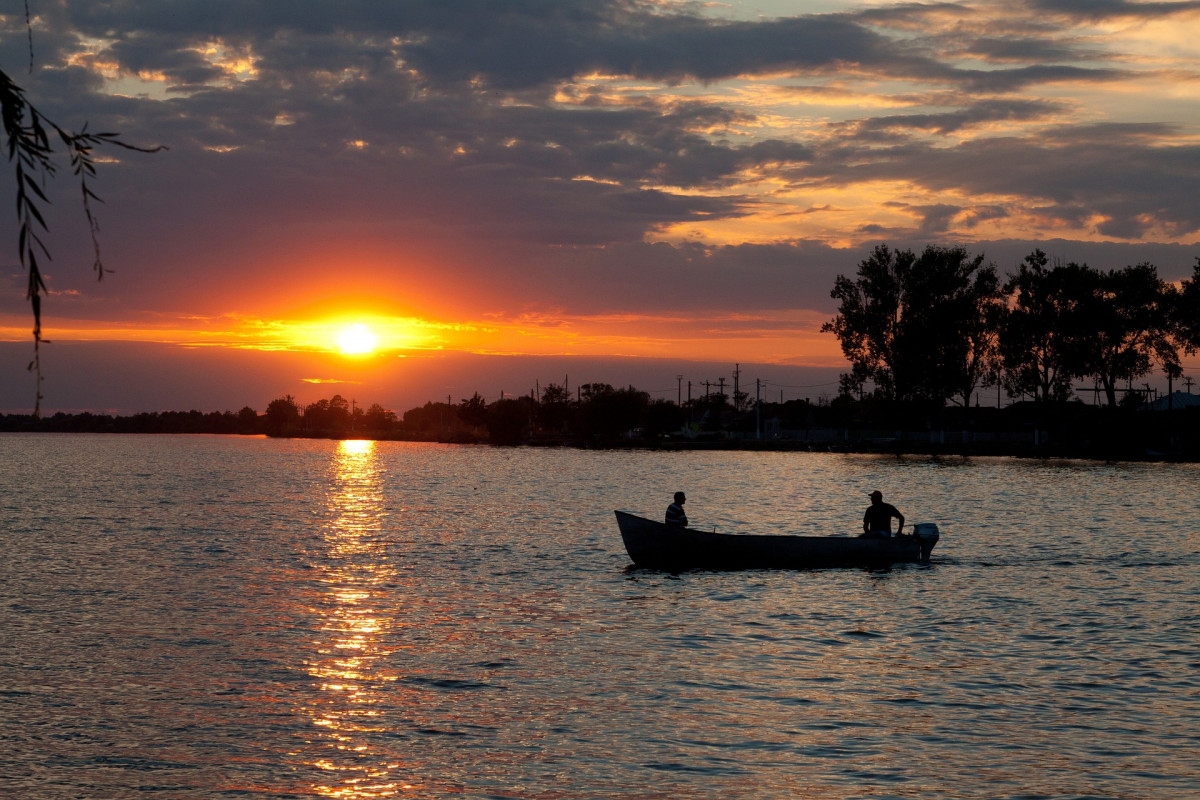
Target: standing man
[877, 522]
[675, 516]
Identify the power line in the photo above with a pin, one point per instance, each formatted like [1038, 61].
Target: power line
[801, 386]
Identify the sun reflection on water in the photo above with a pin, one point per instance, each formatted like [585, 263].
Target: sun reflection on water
[356, 617]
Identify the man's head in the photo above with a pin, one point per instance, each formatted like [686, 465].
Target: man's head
[876, 496]
[679, 498]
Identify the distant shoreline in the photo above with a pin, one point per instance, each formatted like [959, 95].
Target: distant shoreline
[624, 419]
[1048, 452]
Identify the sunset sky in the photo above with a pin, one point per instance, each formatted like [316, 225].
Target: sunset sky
[509, 191]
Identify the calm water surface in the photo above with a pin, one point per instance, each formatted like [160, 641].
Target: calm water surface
[211, 617]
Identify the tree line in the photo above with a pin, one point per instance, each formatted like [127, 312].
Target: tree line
[935, 327]
[599, 415]
[595, 412]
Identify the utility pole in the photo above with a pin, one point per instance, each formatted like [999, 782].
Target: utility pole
[757, 409]
[736, 375]
[679, 401]
[688, 417]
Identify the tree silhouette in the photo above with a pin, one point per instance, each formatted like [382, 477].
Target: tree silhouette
[508, 420]
[869, 316]
[282, 417]
[30, 138]
[554, 408]
[947, 338]
[247, 420]
[473, 411]
[1128, 312]
[378, 419]
[919, 328]
[1186, 314]
[1041, 336]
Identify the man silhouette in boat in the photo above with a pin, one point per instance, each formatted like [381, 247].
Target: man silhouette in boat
[675, 516]
[877, 522]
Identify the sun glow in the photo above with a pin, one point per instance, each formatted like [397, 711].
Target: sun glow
[356, 340]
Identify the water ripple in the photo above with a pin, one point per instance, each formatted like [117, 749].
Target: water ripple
[211, 617]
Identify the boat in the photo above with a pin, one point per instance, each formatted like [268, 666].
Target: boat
[655, 545]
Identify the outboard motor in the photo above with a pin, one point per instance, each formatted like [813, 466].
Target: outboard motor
[926, 534]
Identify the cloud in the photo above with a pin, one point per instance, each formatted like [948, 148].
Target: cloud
[974, 114]
[598, 156]
[1114, 9]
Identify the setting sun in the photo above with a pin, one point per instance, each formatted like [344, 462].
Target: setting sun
[356, 340]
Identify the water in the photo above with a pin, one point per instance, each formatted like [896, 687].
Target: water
[218, 617]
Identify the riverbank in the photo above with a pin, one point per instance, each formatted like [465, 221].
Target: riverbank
[1071, 432]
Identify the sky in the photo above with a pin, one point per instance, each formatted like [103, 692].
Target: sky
[509, 193]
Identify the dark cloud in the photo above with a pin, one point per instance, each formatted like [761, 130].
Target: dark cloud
[1024, 49]
[516, 52]
[978, 113]
[518, 46]
[1010, 80]
[1109, 9]
[483, 138]
[1124, 173]
[936, 219]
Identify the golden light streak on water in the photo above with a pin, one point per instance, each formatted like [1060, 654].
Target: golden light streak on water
[349, 664]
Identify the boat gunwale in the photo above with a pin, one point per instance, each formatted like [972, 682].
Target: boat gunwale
[656, 545]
